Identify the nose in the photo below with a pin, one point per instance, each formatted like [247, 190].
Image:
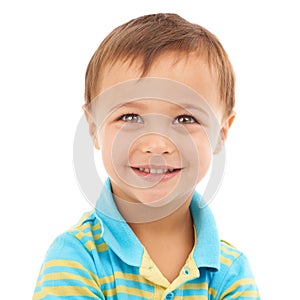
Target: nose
[155, 144]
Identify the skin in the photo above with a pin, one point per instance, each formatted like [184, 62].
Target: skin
[176, 228]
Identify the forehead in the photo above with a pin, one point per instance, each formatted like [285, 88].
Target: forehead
[191, 70]
[148, 106]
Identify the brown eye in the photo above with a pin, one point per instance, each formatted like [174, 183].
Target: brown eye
[184, 119]
[131, 118]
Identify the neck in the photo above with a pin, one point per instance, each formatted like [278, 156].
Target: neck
[176, 224]
[159, 237]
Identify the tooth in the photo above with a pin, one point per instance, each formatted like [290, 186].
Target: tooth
[155, 171]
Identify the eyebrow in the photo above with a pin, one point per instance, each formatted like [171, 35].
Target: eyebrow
[188, 106]
[133, 104]
[139, 104]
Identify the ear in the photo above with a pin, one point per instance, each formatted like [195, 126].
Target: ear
[92, 127]
[226, 124]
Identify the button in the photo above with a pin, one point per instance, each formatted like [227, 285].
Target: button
[169, 296]
[186, 271]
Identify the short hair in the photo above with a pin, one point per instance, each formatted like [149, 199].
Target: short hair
[145, 38]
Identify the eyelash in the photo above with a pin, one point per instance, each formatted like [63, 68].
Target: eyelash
[189, 116]
[122, 118]
[127, 115]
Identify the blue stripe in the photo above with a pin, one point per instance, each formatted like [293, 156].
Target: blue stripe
[125, 296]
[128, 283]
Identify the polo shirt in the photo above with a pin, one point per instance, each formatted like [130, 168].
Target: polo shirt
[101, 258]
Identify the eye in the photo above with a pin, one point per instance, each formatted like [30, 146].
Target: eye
[185, 119]
[131, 118]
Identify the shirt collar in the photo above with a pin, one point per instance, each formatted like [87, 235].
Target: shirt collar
[207, 248]
[122, 240]
[115, 231]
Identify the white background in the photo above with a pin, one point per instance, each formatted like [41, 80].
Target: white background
[45, 48]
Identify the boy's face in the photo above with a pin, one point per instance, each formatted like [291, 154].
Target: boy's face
[152, 148]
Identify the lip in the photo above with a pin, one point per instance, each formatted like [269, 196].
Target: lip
[156, 176]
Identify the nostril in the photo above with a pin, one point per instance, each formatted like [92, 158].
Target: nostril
[155, 144]
[156, 152]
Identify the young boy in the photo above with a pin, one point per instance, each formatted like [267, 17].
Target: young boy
[159, 103]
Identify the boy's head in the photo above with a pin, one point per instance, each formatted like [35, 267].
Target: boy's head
[154, 149]
[145, 39]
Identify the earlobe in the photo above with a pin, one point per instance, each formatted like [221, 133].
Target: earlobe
[219, 144]
[96, 143]
[94, 135]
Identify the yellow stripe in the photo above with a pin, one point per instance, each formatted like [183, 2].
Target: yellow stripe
[102, 247]
[89, 234]
[68, 276]
[245, 281]
[202, 286]
[81, 234]
[63, 291]
[213, 292]
[233, 253]
[95, 281]
[99, 281]
[70, 264]
[121, 275]
[127, 290]
[90, 245]
[97, 236]
[253, 294]
[192, 286]
[193, 297]
[225, 260]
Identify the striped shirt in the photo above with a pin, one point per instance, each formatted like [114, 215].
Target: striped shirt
[101, 258]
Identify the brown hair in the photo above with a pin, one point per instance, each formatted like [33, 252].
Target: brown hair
[147, 37]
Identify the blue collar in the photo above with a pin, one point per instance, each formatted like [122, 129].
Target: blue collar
[207, 250]
[122, 240]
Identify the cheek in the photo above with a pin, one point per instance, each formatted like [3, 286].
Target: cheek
[204, 153]
[107, 138]
[205, 158]
[114, 151]
[106, 160]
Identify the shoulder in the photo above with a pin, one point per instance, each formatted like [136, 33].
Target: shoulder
[74, 250]
[228, 254]
[235, 276]
[88, 229]
[69, 268]
[83, 238]
[232, 260]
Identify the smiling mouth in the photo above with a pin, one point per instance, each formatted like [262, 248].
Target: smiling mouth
[157, 170]
[158, 173]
